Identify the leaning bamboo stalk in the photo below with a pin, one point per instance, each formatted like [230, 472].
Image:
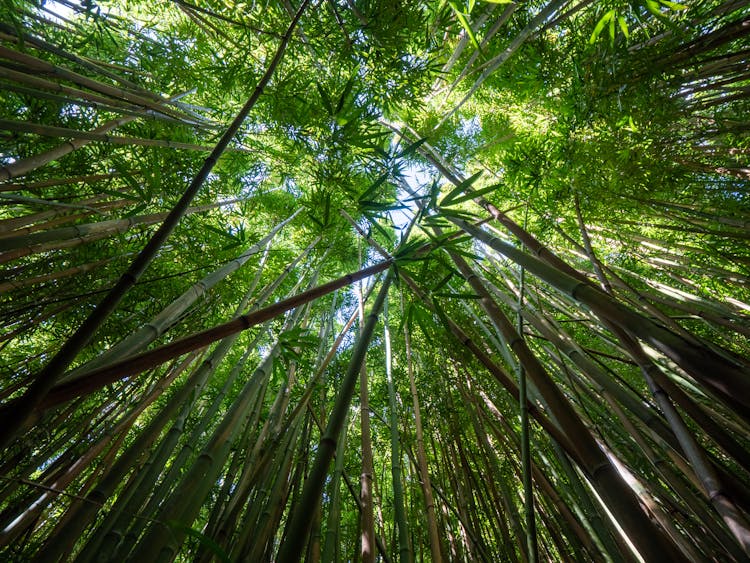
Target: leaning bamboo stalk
[38, 65]
[710, 481]
[88, 206]
[257, 544]
[13, 419]
[109, 540]
[491, 455]
[586, 454]
[45, 220]
[405, 555]
[165, 319]
[32, 511]
[722, 377]
[491, 66]
[434, 537]
[366, 478]
[136, 364]
[160, 542]
[16, 247]
[234, 505]
[78, 516]
[675, 483]
[52, 131]
[58, 275]
[300, 520]
[28, 164]
[332, 541]
[104, 545]
[68, 91]
[626, 512]
[82, 178]
[544, 483]
[82, 101]
[10, 33]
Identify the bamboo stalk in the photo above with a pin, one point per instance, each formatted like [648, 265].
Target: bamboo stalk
[99, 136]
[298, 525]
[13, 419]
[136, 364]
[717, 373]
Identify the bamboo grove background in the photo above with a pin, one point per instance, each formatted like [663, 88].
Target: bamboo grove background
[377, 280]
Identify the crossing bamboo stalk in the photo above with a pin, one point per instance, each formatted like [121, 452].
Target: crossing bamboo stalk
[13, 418]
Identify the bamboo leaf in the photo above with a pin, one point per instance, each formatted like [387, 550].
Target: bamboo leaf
[601, 23]
[462, 187]
[325, 98]
[203, 539]
[465, 24]
[474, 194]
[673, 5]
[369, 192]
[411, 148]
[344, 95]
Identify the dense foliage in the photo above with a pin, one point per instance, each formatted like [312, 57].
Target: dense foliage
[489, 257]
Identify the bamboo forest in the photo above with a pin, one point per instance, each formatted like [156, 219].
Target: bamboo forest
[375, 280]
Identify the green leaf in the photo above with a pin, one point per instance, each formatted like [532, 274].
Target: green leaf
[371, 190]
[411, 148]
[465, 24]
[463, 186]
[325, 98]
[388, 235]
[673, 5]
[600, 25]
[458, 214]
[475, 194]
[203, 539]
[221, 232]
[344, 95]
[623, 26]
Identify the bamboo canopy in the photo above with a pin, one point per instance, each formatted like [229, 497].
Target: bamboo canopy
[459, 280]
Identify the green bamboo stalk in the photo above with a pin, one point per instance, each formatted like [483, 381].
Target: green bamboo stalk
[13, 248]
[97, 136]
[299, 522]
[404, 550]
[13, 418]
[80, 515]
[161, 543]
[103, 546]
[256, 541]
[137, 364]
[434, 537]
[53, 218]
[9, 32]
[37, 65]
[332, 542]
[718, 374]
[165, 319]
[608, 483]
[31, 163]
[366, 478]
[34, 186]
[531, 534]
[34, 508]
[710, 481]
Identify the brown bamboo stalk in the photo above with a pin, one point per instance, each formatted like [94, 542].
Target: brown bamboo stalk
[136, 364]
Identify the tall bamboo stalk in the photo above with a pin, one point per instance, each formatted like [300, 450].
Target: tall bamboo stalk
[13, 418]
[298, 525]
[398, 491]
